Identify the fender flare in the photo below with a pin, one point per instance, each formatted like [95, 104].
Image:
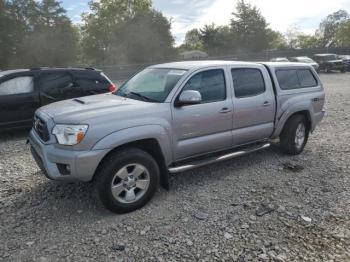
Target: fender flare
[137, 133]
[296, 108]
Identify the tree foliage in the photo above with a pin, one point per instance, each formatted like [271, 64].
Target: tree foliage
[248, 31]
[342, 35]
[125, 31]
[39, 33]
[193, 40]
[216, 40]
[330, 25]
[249, 27]
[36, 33]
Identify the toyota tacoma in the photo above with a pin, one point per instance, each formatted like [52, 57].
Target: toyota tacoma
[174, 117]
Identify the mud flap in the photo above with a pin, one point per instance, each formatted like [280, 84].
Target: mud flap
[164, 178]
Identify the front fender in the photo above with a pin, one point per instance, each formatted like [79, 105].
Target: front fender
[133, 134]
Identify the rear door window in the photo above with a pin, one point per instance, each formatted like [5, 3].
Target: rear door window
[247, 82]
[17, 85]
[57, 84]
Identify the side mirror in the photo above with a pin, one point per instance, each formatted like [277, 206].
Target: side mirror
[189, 97]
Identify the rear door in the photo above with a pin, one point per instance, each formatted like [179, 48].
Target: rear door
[254, 104]
[56, 86]
[19, 98]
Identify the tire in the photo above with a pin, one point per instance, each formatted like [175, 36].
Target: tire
[134, 176]
[291, 142]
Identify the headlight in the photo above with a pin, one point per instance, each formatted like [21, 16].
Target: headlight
[69, 134]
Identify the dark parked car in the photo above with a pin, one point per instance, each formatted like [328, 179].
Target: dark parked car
[25, 90]
[329, 62]
[346, 60]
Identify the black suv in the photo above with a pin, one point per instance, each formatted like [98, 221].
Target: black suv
[23, 91]
[329, 62]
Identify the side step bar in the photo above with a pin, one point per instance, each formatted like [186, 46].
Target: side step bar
[215, 159]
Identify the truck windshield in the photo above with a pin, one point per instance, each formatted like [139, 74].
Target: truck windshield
[151, 85]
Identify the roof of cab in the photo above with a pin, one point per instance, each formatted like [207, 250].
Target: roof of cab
[187, 65]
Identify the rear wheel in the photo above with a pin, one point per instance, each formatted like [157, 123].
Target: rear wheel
[127, 180]
[294, 135]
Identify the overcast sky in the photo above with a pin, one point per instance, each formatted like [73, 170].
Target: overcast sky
[189, 14]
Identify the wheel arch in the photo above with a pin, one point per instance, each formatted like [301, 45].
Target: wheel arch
[305, 112]
[149, 145]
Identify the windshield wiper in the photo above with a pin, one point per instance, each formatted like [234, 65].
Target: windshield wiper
[144, 98]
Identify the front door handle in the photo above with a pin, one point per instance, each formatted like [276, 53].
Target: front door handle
[266, 103]
[225, 110]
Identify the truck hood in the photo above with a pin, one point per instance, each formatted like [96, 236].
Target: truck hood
[83, 109]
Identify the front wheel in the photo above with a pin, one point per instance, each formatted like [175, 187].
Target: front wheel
[127, 180]
[294, 135]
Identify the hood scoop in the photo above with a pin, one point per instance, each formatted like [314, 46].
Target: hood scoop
[79, 101]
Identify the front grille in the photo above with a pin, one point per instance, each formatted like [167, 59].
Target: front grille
[41, 129]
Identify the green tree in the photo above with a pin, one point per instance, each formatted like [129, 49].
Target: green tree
[305, 41]
[144, 38]
[330, 25]
[51, 40]
[6, 37]
[276, 40]
[193, 40]
[216, 40]
[249, 27]
[36, 33]
[14, 24]
[342, 36]
[103, 26]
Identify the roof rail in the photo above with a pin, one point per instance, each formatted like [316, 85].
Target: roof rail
[39, 68]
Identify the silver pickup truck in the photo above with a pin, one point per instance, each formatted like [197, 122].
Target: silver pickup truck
[173, 117]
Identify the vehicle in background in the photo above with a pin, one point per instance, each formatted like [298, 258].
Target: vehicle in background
[305, 59]
[346, 60]
[329, 62]
[173, 117]
[23, 91]
[279, 59]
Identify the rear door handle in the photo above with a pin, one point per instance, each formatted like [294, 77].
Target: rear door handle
[266, 103]
[225, 110]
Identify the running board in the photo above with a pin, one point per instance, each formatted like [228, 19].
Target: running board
[215, 159]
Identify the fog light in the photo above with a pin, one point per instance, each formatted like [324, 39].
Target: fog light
[64, 169]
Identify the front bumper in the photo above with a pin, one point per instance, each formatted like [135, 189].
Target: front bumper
[82, 164]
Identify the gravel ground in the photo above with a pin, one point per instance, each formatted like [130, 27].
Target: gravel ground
[261, 207]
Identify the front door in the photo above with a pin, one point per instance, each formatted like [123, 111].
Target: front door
[205, 127]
